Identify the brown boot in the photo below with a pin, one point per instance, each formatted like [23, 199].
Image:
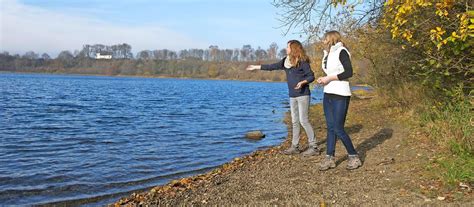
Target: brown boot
[353, 162]
[291, 151]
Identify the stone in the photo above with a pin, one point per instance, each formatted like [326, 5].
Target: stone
[256, 135]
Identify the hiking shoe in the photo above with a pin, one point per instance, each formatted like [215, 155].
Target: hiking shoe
[311, 151]
[353, 162]
[291, 151]
[327, 163]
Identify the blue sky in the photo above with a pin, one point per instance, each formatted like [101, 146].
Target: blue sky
[54, 25]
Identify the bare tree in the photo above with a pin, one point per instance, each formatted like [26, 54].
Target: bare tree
[314, 17]
[30, 55]
[213, 52]
[65, 55]
[246, 53]
[282, 53]
[145, 55]
[272, 51]
[260, 54]
[45, 56]
[235, 54]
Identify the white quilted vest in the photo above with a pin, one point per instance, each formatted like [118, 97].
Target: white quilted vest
[334, 67]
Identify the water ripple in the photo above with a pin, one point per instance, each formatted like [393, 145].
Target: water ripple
[75, 137]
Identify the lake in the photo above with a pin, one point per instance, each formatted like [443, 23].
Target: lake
[73, 138]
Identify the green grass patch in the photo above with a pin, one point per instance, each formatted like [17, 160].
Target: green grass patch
[451, 126]
[458, 166]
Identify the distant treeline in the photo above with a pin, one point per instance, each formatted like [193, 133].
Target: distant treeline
[124, 51]
[191, 63]
[179, 68]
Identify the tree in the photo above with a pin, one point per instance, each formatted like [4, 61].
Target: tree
[235, 54]
[213, 52]
[66, 58]
[125, 51]
[65, 55]
[86, 51]
[260, 54]
[444, 40]
[246, 53]
[272, 51]
[30, 55]
[144, 54]
[172, 55]
[45, 56]
[282, 53]
[314, 17]
[77, 54]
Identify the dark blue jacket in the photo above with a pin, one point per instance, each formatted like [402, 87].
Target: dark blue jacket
[294, 75]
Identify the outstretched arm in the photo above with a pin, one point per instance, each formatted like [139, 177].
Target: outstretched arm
[274, 66]
[254, 67]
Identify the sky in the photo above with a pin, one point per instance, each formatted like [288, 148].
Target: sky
[52, 26]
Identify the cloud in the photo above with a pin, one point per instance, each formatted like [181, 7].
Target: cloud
[27, 28]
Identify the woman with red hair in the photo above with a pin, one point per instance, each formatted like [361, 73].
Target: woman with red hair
[299, 75]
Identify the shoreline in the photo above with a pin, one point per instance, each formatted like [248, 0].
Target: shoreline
[157, 77]
[392, 172]
[140, 76]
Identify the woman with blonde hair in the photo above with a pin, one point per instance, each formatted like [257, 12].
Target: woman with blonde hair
[298, 75]
[337, 93]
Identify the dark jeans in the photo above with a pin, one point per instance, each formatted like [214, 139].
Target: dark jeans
[335, 110]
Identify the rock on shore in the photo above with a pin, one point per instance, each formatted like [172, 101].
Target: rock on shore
[257, 135]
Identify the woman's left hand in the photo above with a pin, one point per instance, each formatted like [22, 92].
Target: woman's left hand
[300, 84]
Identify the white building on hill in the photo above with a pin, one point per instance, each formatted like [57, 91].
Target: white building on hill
[103, 55]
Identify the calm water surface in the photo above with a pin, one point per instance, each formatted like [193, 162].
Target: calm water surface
[69, 138]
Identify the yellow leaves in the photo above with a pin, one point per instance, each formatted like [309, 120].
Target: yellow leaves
[466, 27]
[440, 31]
[471, 27]
[439, 45]
[454, 35]
[404, 8]
[423, 3]
[394, 31]
[442, 12]
[407, 35]
[436, 34]
[462, 17]
[442, 7]
[403, 20]
[338, 2]
[469, 22]
[388, 3]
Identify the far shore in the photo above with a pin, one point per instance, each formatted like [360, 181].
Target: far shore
[159, 77]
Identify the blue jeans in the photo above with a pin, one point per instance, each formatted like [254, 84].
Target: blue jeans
[335, 111]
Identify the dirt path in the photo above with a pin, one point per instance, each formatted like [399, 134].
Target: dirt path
[393, 171]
